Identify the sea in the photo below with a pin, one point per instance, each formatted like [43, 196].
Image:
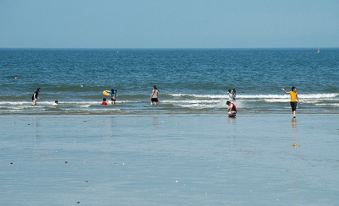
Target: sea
[189, 80]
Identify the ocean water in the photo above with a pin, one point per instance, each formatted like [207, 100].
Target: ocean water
[189, 80]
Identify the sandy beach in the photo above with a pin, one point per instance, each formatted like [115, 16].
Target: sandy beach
[169, 160]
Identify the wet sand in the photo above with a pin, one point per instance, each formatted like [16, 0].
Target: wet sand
[169, 160]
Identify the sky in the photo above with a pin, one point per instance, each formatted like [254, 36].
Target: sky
[169, 23]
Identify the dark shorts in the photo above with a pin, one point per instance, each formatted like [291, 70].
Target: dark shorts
[154, 100]
[294, 105]
[232, 114]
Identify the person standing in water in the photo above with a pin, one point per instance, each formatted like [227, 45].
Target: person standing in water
[232, 109]
[293, 100]
[113, 96]
[35, 96]
[232, 93]
[155, 96]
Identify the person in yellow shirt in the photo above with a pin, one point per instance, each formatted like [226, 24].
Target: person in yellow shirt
[294, 100]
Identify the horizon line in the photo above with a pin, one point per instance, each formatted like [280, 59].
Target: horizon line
[169, 48]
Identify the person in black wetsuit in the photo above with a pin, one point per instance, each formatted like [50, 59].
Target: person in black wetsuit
[35, 96]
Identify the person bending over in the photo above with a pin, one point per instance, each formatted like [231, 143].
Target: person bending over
[232, 109]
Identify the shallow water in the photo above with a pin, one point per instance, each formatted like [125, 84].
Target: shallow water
[169, 160]
[190, 80]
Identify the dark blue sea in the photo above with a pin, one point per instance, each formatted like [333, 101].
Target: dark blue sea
[189, 80]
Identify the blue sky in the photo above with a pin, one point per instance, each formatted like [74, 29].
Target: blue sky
[169, 23]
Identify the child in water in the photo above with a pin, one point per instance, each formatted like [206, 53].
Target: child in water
[104, 102]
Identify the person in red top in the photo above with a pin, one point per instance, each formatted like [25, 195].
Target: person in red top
[232, 109]
[104, 102]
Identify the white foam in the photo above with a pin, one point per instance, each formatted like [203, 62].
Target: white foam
[45, 103]
[329, 104]
[85, 105]
[196, 106]
[105, 109]
[276, 100]
[261, 96]
[319, 96]
[15, 103]
[200, 96]
[191, 101]
[307, 101]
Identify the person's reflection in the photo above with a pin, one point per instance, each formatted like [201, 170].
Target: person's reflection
[155, 122]
[38, 139]
[294, 123]
[111, 127]
[294, 164]
[36, 126]
[294, 133]
[232, 120]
